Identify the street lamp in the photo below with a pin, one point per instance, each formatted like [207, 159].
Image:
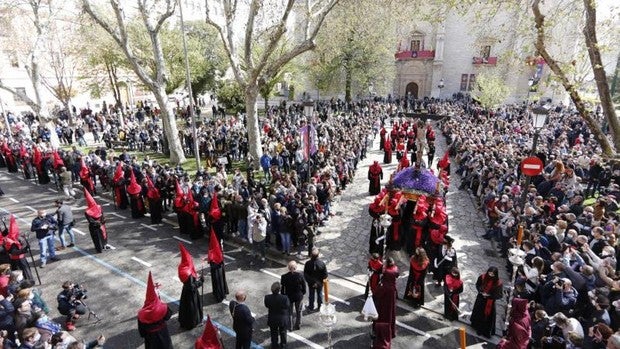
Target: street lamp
[530, 83]
[188, 81]
[539, 118]
[441, 86]
[308, 112]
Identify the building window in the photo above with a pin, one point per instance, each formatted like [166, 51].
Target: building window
[416, 45]
[472, 82]
[20, 91]
[464, 80]
[486, 52]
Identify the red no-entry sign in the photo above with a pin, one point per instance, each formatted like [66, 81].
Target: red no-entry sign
[531, 166]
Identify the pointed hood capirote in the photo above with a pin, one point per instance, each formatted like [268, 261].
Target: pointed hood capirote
[133, 188]
[214, 254]
[209, 339]
[13, 229]
[93, 209]
[152, 192]
[154, 309]
[118, 173]
[186, 267]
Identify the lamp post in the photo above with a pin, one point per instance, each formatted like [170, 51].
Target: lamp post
[530, 83]
[188, 81]
[308, 112]
[539, 117]
[441, 86]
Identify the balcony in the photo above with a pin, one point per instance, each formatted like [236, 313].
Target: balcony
[484, 61]
[408, 55]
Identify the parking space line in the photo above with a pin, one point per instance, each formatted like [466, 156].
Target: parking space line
[183, 240]
[230, 258]
[78, 231]
[52, 190]
[14, 200]
[30, 208]
[118, 215]
[229, 331]
[146, 264]
[111, 247]
[148, 226]
[415, 330]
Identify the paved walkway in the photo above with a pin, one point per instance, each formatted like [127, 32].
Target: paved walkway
[344, 241]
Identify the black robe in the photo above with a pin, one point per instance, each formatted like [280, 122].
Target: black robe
[137, 206]
[451, 298]
[375, 233]
[42, 174]
[186, 222]
[218, 281]
[11, 163]
[155, 208]
[18, 257]
[374, 187]
[156, 335]
[97, 229]
[28, 168]
[190, 305]
[120, 195]
[484, 324]
[414, 292]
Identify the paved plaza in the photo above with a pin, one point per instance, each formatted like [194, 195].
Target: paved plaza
[344, 241]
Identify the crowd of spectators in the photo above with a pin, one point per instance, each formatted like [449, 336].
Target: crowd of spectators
[569, 212]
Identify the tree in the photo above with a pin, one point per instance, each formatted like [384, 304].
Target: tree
[29, 22]
[491, 90]
[153, 15]
[356, 46]
[231, 97]
[253, 56]
[599, 75]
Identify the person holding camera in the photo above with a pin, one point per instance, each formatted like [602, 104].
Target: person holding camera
[559, 295]
[70, 303]
[44, 226]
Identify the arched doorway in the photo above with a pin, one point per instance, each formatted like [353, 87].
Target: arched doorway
[412, 90]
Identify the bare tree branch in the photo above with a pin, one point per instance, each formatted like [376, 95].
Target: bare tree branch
[275, 38]
[249, 31]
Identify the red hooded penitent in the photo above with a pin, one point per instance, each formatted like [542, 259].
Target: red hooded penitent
[186, 267]
[154, 309]
[209, 339]
[215, 251]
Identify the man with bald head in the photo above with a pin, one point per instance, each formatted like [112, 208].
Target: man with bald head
[294, 287]
[243, 321]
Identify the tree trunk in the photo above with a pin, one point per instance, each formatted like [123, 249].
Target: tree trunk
[170, 127]
[589, 31]
[256, 150]
[347, 85]
[541, 47]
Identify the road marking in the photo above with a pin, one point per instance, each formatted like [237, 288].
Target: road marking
[148, 226]
[183, 240]
[106, 204]
[30, 208]
[52, 190]
[229, 258]
[304, 340]
[14, 200]
[229, 331]
[148, 265]
[415, 330]
[330, 296]
[171, 214]
[79, 208]
[118, 215]
[173, 224]
[78, 231]
[111, 247]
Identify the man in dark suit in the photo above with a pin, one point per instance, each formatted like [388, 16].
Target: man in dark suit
[294, 287]
[243, 321]
[315, 272]
[277, 316]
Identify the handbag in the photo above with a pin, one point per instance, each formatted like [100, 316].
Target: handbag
[370, 310]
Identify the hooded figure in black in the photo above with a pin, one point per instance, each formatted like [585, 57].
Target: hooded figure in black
[218, 271]
[190, 305]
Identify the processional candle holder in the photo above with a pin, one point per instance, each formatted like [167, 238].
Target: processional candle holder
[327, 314]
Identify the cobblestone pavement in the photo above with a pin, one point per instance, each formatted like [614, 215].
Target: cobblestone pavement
[344, 241]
